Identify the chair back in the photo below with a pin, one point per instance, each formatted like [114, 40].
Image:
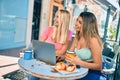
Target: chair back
[117, 69]
[116, 50]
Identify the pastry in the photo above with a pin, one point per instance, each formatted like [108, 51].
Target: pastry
[60, 66]
[70, 68]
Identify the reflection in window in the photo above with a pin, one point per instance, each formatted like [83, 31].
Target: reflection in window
[99, 12]
[112, 28]
[55, 8]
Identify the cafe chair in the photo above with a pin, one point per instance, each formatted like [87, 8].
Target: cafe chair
[117, 68]
[116, 50]
[110, 62]
[108, 67]
[107, 50]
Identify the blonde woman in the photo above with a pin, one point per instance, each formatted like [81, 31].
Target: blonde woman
[59, 34]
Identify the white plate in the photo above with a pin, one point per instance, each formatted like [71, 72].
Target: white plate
[66, 72]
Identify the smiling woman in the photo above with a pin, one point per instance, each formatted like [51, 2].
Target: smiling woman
[88, 46]
[59, 34]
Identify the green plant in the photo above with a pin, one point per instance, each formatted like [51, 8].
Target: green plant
[112, 32]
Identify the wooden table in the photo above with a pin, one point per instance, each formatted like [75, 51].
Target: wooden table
[8, 64]
[42, 70]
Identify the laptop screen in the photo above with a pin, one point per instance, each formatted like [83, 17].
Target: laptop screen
[44, 51]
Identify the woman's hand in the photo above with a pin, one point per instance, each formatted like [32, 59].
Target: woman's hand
[72, 59]
[60, 58]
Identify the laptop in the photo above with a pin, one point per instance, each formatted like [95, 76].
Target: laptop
[44, 51]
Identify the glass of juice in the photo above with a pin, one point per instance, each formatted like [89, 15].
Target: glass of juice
[72, 54]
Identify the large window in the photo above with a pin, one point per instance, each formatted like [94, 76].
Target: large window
[13, 23]
[112, 28]
[101, 14]
[96, 9]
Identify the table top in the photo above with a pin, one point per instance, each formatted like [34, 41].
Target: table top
[8, 64]
[42, 70]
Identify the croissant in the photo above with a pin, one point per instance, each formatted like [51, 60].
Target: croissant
[70, 68]
[60, 66]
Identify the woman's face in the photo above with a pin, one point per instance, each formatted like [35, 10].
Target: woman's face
[79, 24]
[56, 18]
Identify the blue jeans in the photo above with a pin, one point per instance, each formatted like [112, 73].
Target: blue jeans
[94, 75]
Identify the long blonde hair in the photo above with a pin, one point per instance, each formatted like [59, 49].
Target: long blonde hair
[60, 33]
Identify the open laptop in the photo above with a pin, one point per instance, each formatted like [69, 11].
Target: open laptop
[44, 51]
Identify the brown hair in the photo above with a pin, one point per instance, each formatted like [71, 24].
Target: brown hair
[90, 28]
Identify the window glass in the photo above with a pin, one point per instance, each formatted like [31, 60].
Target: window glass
[13, 19]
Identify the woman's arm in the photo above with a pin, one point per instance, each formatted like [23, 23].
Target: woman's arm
[96, 54]
[63, 50]
[96, 50]
[60, 54]
[45, 34]
[41, 39]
